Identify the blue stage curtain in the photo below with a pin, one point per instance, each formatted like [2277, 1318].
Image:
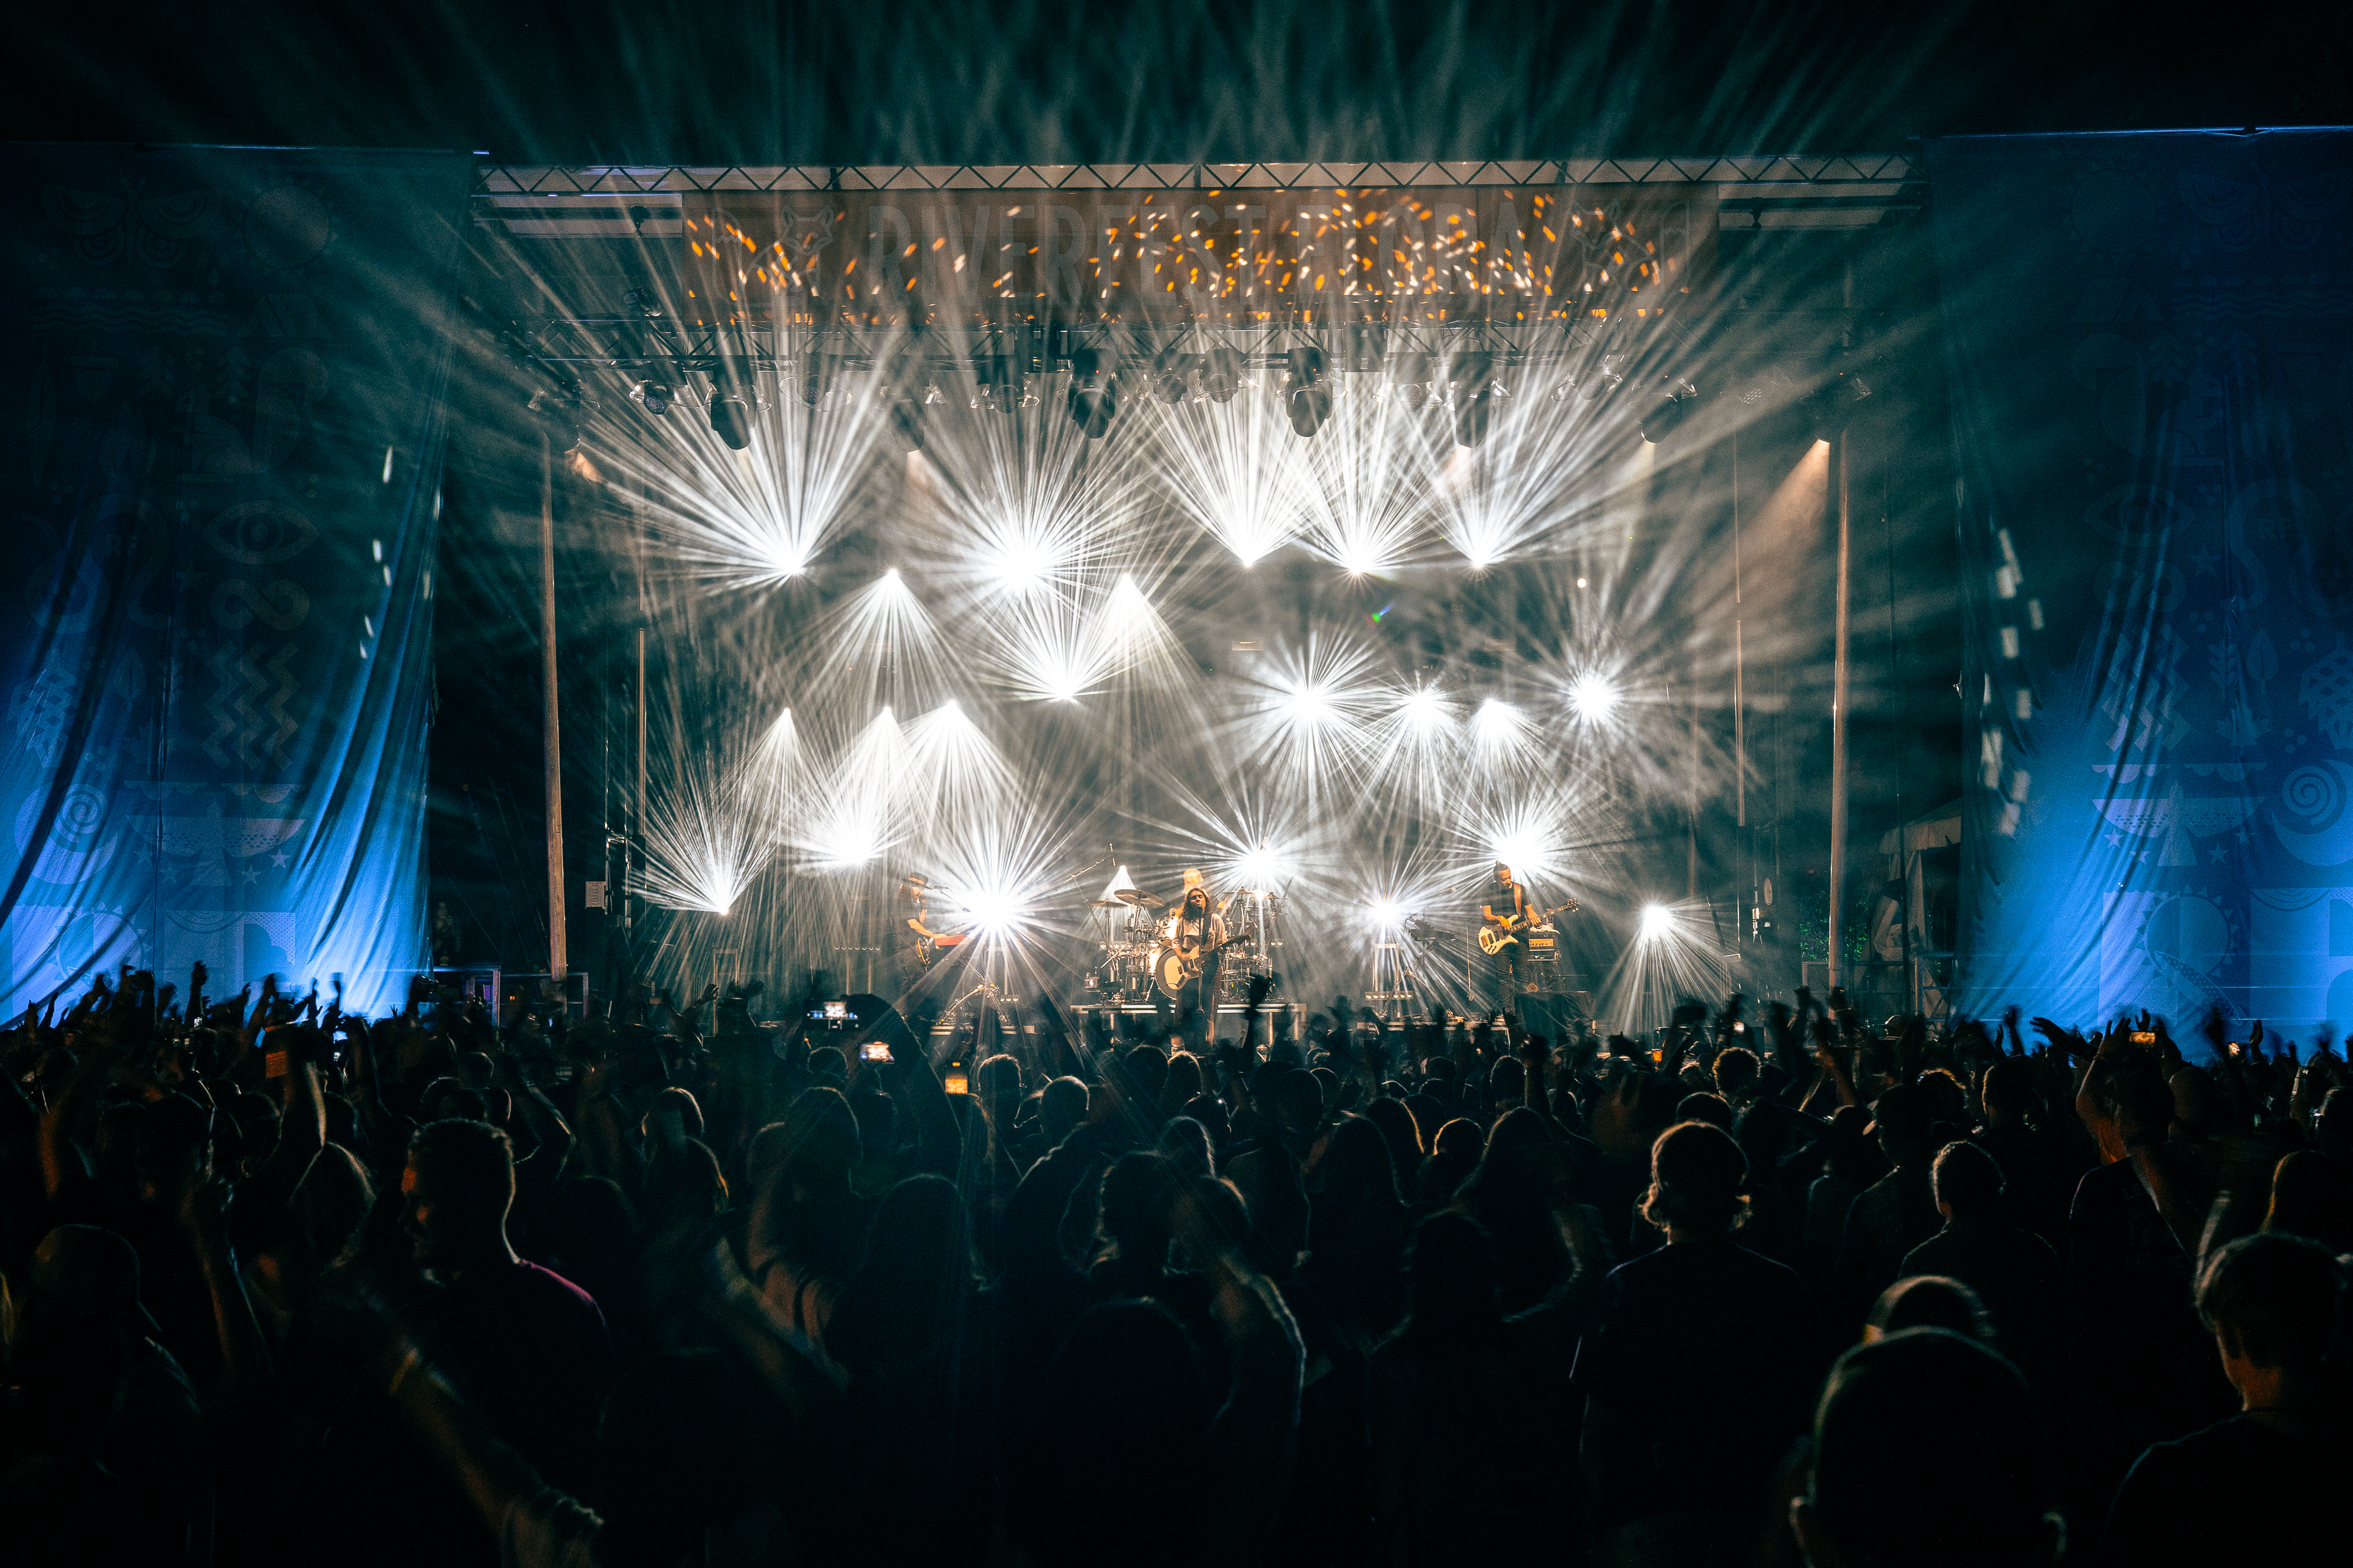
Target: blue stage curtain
[226, 370]
[2151, 342]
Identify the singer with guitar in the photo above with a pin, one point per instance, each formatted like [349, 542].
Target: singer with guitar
[1193, 936]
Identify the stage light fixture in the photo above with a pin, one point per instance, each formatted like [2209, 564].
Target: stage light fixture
[1830, 406]
[563, 410]
[1671, 412]
[1221, 374]
[1658, 920]
[1171, 375]
[1308, 399]
[1094, 398]
[654, 396]
[730, 420]
[1474, 377]
[998, 382]
[816, 378]
[1410, 373]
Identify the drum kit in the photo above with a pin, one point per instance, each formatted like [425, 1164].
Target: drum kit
[1140, 955]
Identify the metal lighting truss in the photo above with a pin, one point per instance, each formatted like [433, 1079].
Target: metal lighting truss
[618, 202]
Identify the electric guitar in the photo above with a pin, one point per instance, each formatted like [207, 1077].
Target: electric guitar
[1501, 931]
[929, 942]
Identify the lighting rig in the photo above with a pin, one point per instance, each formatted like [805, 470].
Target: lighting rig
[1098, 368]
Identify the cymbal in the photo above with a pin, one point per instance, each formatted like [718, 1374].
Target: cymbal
[1135, 896]
[1107, 904]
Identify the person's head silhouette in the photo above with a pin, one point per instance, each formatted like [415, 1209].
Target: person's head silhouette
[1904, 1426]
[1696, 1174]
[456, 1193]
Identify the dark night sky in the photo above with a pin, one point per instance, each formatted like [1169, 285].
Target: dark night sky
[679, 81]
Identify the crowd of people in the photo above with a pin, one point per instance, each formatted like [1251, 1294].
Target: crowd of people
[669, 1285]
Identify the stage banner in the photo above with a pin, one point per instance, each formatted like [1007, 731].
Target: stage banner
[1229, 258]
[228, 368]
[2151, 342]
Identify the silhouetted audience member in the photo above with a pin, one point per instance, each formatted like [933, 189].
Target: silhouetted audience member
[2264, 1486]
[1454, 1153]
[1928, 1301]
[1926, 1454]
[1699, 1367]
[2134, 1347]
[2311, 1198]
[1356, 1235]
[527, 1346]
[1898, 1212]
[59, 1503]
[2011, 1270]
[1472, 1463]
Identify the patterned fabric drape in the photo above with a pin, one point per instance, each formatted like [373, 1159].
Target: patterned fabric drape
[2152, 362]
[217, 660]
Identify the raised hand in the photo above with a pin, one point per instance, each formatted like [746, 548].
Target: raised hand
[2058, 1037]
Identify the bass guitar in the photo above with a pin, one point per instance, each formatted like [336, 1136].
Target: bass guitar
[1503, 932]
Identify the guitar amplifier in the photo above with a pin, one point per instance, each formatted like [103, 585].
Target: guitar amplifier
[1543, 946]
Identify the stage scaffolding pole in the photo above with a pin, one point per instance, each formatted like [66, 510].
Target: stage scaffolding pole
[1839, 679]
[638, 807]
[553, 740]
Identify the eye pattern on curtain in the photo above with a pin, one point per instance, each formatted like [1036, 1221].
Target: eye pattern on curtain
[216, 653]
[2152, 368]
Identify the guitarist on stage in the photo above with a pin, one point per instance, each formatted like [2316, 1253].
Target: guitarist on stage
[1507, 908]
[1193, 927]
